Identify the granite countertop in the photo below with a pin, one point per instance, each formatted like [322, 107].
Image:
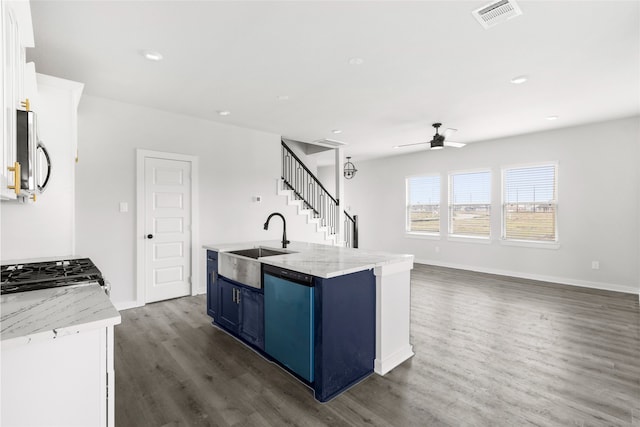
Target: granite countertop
[53, 313]
[319, 260]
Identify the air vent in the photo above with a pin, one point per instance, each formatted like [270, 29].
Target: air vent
[496, 13]
[329, 143]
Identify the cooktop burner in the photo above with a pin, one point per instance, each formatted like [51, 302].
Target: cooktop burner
[49, 274]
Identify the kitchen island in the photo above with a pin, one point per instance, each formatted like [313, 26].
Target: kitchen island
[57, 357]
[362, 301]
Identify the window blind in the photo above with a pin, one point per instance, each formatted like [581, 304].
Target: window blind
[470, 204]
[423, 204]
[529, 203]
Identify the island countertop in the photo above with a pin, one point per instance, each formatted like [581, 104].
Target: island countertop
[318, 260]
[55, 312]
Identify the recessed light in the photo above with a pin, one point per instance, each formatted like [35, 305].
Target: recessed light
[518, 80]
[356, 61]
[224, 113]
[152, 55]
[283, 97]
[336, 131]
[552, 118]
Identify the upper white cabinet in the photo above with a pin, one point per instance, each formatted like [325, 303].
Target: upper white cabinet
[16, 34]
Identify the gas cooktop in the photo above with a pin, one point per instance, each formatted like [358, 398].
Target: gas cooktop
[48, 274]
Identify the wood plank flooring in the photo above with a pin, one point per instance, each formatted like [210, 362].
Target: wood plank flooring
[490, 351]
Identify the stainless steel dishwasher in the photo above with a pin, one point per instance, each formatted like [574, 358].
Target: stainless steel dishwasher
[289, 319]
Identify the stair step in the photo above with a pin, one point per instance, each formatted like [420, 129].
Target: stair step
[312, 217]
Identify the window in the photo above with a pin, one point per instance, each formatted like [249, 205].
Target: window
[470, 204]
[423, 204]
[529, 203]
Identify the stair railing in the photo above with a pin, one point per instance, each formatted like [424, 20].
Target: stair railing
[307, 188]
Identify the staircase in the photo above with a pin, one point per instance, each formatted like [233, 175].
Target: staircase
[304, 190]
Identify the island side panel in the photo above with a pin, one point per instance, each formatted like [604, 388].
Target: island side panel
[345, 332]
[212, 284]
[393, 316]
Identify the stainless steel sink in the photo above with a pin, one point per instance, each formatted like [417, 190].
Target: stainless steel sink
[256, 253]
[243, 266]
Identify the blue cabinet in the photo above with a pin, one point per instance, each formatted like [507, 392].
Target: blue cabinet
[251, 325]
[212, 283]
[321, 330]
[228, 305]
[241, 311]
[345, 332]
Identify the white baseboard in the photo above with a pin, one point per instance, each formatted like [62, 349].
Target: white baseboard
[125, 305]
[381, 367]
[553, 279]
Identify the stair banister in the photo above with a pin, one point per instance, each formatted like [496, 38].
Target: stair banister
[306, 187]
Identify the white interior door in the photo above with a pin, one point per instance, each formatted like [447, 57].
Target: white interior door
[167, 219]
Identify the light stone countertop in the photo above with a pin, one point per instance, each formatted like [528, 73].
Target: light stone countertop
[53, 313]
[319, 260]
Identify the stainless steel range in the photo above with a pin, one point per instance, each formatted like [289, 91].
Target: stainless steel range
[50, 274]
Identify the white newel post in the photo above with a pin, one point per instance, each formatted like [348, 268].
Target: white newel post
[339, 151]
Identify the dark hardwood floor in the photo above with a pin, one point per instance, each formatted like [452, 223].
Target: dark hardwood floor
[490, 351]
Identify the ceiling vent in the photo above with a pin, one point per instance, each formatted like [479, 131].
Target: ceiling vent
[332, 143]
[496, 13]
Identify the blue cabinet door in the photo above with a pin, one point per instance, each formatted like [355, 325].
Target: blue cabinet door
[228, 305]
[251, 328]
[212, 284]
[288, 329]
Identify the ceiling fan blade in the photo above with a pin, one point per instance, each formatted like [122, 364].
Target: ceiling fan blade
[409, 145]
[454, 144]
[448, 132]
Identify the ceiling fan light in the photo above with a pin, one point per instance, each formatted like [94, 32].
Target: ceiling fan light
[436, 147]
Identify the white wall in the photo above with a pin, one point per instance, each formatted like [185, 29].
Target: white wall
[235, 164]
[598, 206]
[45, 228]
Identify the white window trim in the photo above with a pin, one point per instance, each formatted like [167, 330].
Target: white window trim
[425, 236]
[463, 237]
[555, 244]
[468, 239]
[530, 244]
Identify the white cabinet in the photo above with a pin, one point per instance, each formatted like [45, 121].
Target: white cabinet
[66, 381]
[16, 34]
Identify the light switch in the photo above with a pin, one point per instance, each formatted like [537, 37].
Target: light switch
[124, 207]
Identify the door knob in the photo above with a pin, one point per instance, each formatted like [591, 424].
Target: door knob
[149, 236]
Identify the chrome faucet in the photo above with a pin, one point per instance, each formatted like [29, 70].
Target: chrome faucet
[284, 229]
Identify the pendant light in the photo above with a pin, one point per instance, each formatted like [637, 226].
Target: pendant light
[349, 169]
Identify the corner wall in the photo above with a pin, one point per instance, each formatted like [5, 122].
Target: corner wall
[598, 205]
[235, 165]
[46, 228]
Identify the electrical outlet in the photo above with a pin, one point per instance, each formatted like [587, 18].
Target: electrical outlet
[437, 249]
[124, 207]
[595, 265]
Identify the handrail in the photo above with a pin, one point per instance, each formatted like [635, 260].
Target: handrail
[309, 172]
[307, 188]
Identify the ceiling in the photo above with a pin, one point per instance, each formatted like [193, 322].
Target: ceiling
[421, 62]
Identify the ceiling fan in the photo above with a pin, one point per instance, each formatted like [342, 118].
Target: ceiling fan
[439, 141]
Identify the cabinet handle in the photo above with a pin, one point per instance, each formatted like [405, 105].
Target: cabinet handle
[233, 294]
[238, 296]
[16, 177]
